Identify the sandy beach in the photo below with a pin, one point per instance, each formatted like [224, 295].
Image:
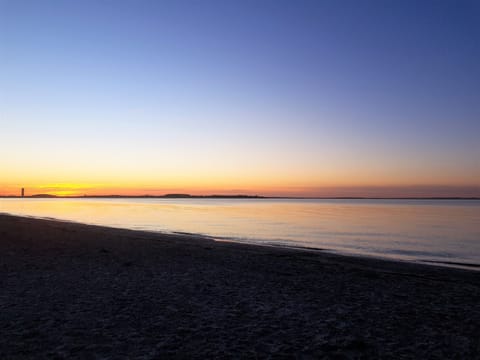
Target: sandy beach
[88, 292]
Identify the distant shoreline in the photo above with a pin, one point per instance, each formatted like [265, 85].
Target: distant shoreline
[186, 196]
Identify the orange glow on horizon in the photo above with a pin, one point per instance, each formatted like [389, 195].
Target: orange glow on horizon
[308, 190]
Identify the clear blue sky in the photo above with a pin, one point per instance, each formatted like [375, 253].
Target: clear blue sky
[280, 97]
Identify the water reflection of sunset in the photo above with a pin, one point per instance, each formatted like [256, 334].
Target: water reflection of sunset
[404, 229]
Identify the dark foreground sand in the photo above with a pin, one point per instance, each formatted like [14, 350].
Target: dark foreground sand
[86, 292]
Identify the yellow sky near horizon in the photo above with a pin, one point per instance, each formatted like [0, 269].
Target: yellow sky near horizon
[263, 189]
[134, 172]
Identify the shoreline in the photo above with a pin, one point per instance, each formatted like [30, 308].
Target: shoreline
[71, 290]
[435, 263]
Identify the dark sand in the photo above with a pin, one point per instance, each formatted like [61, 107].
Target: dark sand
[77, 291]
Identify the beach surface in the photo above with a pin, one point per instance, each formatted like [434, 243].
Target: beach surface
[70, 290]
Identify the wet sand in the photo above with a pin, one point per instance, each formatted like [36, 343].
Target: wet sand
[78, 291]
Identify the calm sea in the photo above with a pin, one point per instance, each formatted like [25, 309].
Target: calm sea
[444, 231]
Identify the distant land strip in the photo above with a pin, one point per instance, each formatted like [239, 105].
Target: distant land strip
[220, 196]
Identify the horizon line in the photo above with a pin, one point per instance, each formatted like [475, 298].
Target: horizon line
[241, 196]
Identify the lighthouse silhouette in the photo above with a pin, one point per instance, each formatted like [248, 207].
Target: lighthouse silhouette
[23, 192]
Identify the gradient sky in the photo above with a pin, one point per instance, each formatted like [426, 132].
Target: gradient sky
[307, 98]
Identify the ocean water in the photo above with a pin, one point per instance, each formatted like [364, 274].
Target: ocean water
[441, 231]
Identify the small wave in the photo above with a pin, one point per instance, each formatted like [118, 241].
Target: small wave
[453, 263]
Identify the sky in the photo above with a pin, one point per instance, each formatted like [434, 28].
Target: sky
[277, 98]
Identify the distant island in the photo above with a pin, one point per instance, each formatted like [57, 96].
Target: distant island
[170, 196]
